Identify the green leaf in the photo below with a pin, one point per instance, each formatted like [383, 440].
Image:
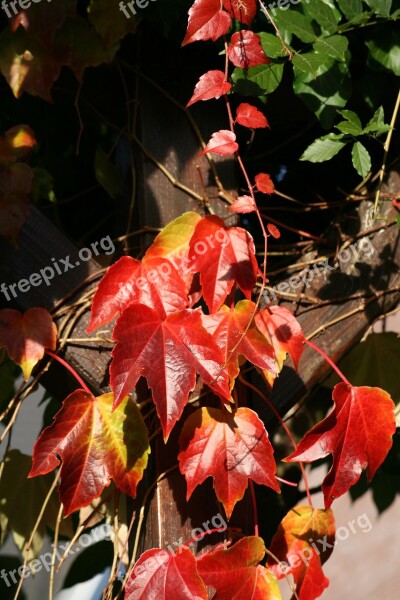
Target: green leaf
[361, 159]
[257, 81]
[352, 125]
[327, 92]
[380, 7]
[384, 47]
[22, 500]
[352, 9]
[322, 149]
[294, 22]
[106, 173]
[272, 45]
[309, 63]
[398, 221]
[377, 123]
[325, 15]
[334, 46]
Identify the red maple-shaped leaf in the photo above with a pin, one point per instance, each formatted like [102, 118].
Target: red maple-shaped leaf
[222, 142]
[358, 433]
[95, 445]
[242, 10]
[246, 51]
[222, 256]
[303, 543]
[168, 354]
[154, 282]
[232, 333]
[206, 21]
[243, 205]
[210, 85]
[160, 575]
[231, 448]
[283, 331]
[235, 573]
[249, 116]
[264, 183]
[26, 336]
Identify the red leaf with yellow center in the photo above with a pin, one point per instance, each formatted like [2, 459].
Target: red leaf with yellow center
[161, 575]
[303, 543]
[95, 445]
[242, 10]
[168, 353]
[26, 336]
[230, 330]
[231, 448]
[235, 573]
[206, 21]
[154, 282]
[223, 257]
[358, 433]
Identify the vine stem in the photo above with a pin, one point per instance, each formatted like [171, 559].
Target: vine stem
[70, 369]
[255, 511]
[329, 360]
[286, 429]
[386, 152]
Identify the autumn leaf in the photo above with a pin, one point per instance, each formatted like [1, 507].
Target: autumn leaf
[206, 21]
[230, 330]
[264, 183]
[242, 10]
[235, 573]
[222, 142]
[154, 282]
[32, 69]
[94, 445]
[26, 336]
[168, 354]
[284, 333]
[246, 51]
[274, 231]
[210, 85]
[223, 256]
[20, 140]
[231, 448]
[358, 433]
[249, 116]
[161, 575]
[173, 243]
[243, 205]
[303, 543]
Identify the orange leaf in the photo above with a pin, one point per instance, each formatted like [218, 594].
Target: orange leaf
[303, 543]
[358, 433]
[95, 445]
[235, 573]
[26, 336]
[231, 448]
